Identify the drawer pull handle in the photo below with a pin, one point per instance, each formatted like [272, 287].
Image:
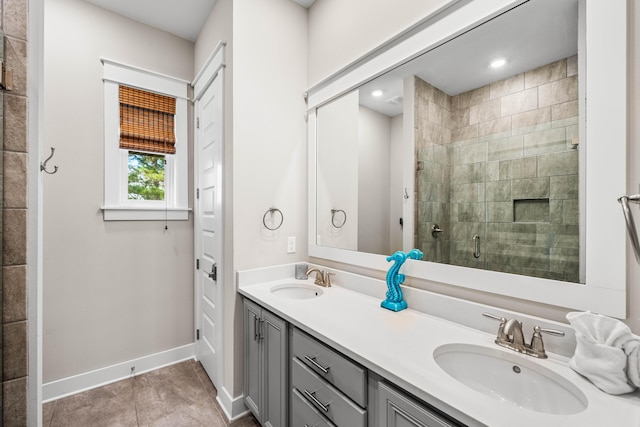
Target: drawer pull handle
[255, 328]
[313, 399]
[312, 360]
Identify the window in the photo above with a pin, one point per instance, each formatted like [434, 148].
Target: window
[146, 150]
[146, 176]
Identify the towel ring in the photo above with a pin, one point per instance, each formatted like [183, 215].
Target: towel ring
[271, 211]
[333, 218]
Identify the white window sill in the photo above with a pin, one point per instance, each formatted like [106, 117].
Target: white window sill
[127, 213]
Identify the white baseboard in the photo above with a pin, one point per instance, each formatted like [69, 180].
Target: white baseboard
[233, 408]
[78, 383]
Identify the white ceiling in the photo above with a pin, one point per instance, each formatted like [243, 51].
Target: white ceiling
[183, 18]
[534, 34]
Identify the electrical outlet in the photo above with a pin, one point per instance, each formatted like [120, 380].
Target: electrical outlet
[291, 245]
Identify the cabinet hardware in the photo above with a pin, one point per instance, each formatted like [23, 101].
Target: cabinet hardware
[312, 360]
[261, 329]
[255, 328]
[315, 401]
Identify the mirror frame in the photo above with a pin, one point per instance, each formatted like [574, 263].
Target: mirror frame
[603, 237]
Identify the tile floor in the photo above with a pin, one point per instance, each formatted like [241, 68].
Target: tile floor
[176, 396]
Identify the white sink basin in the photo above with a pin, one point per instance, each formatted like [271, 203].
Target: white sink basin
[297, 290]
[510, 378]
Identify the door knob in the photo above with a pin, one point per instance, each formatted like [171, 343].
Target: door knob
[214, 272]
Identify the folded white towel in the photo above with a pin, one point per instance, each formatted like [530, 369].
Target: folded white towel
[607, 353]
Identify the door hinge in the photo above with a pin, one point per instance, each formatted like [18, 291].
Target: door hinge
[197, 264]
[197, 334]
[197, 122]
[198, 193]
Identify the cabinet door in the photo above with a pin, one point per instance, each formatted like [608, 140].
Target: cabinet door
[252, 359]
[397, 410]
[275, 373]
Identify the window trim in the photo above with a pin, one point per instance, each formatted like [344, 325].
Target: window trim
[116, 206]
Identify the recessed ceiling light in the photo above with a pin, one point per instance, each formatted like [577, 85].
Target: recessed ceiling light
[377, 93]
[497, 63]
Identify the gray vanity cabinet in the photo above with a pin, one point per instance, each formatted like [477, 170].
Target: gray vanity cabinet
[284, 367]
[395, 409]
[266, 381]
[327, 388]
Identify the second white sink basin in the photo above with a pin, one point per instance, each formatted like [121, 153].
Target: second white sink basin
[297, 290]
[510, 378]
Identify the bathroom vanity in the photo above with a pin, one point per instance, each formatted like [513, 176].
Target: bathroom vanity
[334, 357]
[326, 387]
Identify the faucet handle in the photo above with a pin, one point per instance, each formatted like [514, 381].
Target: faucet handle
[327, 278]
[502, 336]
[537, 345]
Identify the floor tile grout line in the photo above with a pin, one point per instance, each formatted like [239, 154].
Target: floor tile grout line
[135, 401]
[211, 399]
[222, 416]
[53, 413]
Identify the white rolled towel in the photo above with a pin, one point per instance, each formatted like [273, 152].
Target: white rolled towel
[607, 353]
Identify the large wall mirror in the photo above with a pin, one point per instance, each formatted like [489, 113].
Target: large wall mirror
[475, 148]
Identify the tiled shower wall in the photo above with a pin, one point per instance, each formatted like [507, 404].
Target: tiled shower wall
[433, 136]
[14, 213]
[512, 175]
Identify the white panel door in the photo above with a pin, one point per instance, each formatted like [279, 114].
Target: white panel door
[208, 227]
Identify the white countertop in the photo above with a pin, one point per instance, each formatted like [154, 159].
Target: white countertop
[399, 347]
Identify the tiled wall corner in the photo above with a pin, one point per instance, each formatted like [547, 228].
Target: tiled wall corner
[14, 218]
[433, 112]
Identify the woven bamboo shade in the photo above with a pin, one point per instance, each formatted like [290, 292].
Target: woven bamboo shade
[147, 121]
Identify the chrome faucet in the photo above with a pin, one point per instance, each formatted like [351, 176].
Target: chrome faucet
[510, 336]
[323, 278]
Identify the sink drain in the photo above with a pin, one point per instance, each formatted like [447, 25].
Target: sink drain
[516, 369]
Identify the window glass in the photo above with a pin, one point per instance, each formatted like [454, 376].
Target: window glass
[146, 176]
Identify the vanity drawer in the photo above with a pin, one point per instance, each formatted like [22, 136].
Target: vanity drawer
[328, 401]
[303, 414]
[345, 374]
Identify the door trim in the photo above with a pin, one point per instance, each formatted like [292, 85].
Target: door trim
[214, 66]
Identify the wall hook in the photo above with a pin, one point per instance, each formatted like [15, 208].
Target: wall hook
[43, 165]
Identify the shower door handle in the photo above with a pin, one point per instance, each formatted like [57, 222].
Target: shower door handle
[631, 226]
[476, 246]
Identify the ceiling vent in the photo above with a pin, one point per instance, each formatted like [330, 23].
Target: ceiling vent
[396, 100]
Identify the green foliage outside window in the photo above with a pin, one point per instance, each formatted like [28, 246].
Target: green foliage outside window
[146, 176]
